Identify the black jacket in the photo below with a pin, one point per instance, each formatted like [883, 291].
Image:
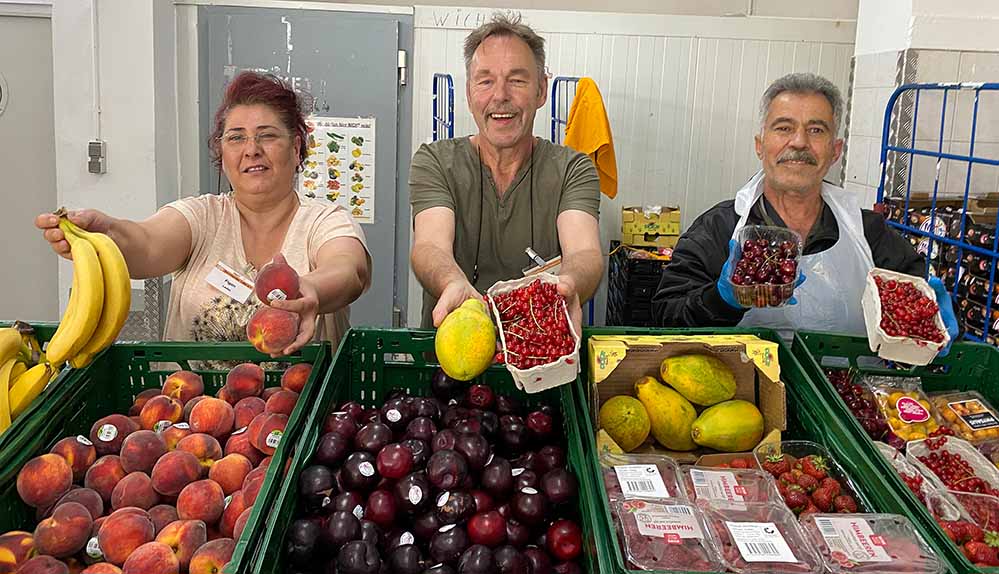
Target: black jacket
[688, 293]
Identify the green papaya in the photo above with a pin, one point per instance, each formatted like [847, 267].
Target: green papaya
[701, 379]
[729, 426]
[670, 415]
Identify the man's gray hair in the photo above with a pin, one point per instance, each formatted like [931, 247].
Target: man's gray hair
[506, 24]
[804, 83]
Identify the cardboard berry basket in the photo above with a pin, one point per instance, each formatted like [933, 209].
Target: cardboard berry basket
[968, 367]
[793, 400]
[889, 347]
[542, 377]
[110, 384]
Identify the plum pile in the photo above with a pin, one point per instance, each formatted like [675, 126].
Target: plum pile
[463, 481]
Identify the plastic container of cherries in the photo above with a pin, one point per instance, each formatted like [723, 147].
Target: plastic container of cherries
[766, 268]
[540, 344]
[911, 349]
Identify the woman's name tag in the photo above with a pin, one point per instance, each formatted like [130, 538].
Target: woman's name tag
[229, 281]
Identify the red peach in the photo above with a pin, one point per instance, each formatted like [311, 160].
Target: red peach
[240, 525]
[189, 405]
[174, 433]
[204, 447]
[268, 433]
[19, 544]
[252, 484]
[104, 475]
[270, 330]
[184, 537]
[183, 386]
[212, 416]
[282, 403]
[152, 558]
[212, 556]
[140, 401]
[230, 471]
[136, 489]
[235, 505]
[202, 500]
[239, 443]
[108, 433]
[277, 281]
[244, 380]
[140, 451]
[160, 412]
[88, 497]
[79, 453]
[161, 515]
[270, 392]
[295, 377]
[175, 470]
[101, 568]
[246, 409]
[122, 533]
[64, 533]
[43, 565]
[43, 480]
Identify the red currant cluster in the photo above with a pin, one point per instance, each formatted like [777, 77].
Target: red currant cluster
[907, 312]
[765, 262]
[955, 472]
[534, 325]
[915, 484]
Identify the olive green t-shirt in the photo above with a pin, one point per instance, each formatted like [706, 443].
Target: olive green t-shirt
[446, 173]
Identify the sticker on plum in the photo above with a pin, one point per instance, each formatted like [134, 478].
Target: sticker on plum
[641, 480]
[760, 542]
[671, 522]
[717, 485]
[974, 414]
[851, 541]
[910, 411]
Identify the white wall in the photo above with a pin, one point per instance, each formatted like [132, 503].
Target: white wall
[830, 9]
[883, 26]
[681, 93]
[123, 68]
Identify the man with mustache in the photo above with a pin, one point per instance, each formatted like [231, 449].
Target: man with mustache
[480, 201]
[797, 143]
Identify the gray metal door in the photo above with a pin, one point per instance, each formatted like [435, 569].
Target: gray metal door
[346, 65]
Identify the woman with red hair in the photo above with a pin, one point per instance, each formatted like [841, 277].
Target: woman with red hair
[259, 141]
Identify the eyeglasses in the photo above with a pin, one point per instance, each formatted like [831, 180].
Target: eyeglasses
[236, 140]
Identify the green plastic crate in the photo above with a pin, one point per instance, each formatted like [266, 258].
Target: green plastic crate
[371, 362]
[968, 367]
[806, 419]
[44, 332]
[109, 385]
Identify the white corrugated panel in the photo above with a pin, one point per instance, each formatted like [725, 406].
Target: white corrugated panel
[683, 104]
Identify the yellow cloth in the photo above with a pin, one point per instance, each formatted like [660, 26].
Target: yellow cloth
[588, 131]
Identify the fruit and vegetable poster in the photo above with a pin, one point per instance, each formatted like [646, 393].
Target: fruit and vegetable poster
[340, 164]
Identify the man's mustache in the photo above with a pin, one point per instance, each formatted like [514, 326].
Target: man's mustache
[798, 156]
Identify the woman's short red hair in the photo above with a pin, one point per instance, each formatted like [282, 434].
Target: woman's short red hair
[252, 88]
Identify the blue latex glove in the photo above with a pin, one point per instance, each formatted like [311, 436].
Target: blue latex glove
[946, 305]
[725, 287]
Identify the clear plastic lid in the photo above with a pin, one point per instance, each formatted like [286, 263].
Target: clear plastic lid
[906, 408]
[830, 491]
[968, 414]
[882, 543]
[761, 537]
[649, 476]
[665, 534]
[706, 484]
[922, 453]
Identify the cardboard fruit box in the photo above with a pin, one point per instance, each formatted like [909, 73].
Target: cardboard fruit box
[617, 361]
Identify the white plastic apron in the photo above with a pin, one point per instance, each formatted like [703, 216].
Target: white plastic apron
[829, 299]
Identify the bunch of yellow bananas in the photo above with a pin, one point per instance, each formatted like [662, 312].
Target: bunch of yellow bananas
[99, 301]
[24, 371]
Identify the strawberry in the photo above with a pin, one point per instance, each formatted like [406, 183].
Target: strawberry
[823, 498]
[796, 472]
[832, 484]
[808, 482]
[724, 465]
[740, 463]
[809, 509]
[980, 553]
[814, 465]
[845, 504]
[776, 465]
[796, 500]
[973, 532]
[954, 530]
[786, 479]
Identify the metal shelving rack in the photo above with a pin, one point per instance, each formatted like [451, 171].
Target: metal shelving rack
[442, 115]
[930, 234]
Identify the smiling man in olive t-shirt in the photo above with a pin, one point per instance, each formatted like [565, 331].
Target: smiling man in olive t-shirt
[479, 201]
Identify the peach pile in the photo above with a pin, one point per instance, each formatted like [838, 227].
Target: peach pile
[166, 489]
